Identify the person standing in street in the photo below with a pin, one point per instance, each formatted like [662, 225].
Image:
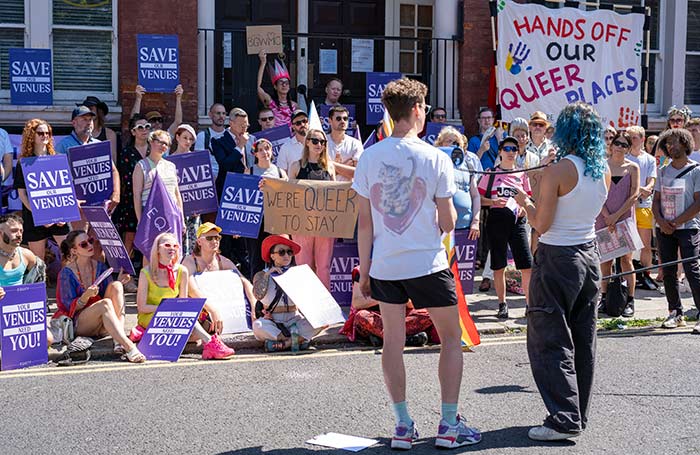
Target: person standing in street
[405, 188]
[561, 313]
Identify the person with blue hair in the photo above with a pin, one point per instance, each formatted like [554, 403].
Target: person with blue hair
[565, 282]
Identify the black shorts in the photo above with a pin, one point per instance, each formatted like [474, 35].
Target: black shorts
[503, 231]
[430, 291]
[37, 233]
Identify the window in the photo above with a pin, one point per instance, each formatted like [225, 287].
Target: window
[692, 54]
[11, 34]
[415, 21]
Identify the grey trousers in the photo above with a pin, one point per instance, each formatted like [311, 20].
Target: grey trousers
[561, 331]
[688, 241]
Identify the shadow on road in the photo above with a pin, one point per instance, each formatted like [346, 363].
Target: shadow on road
[503, 389]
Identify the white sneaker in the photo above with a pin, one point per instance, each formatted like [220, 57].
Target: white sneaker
[673, 320]
[696, 329]
[543, 433]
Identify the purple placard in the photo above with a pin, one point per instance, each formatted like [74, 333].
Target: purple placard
[466, 259]
[170, 328]
[241, 207]
[91, 166]
[50, 189]
[107, 234]
[323, 111]
[31, 76]
[23, 325]
[160, 214]
[196, 182]
[158, 62]
[277, 136]
[432, 130]
[345, 258]
[375, 87]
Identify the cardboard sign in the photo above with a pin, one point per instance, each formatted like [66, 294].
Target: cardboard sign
[50, 189]
[310, 207]
[115, 252]
[345, 258]
[224, 291]
[312, 298]
[375, 87]
[196, 182]
[465, 251]
[324, 110]
[91, 166]
[170, 328]
[158, 62]
[23, 325]
[432, 130]
[277, 136]
[31, 80]
[551, 57]
[265, 38]
[241, 209]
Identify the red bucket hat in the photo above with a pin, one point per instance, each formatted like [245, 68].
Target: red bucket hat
[273, 240]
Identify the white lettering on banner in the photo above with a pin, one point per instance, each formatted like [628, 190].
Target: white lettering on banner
[95, 160]
[48, 179]
[165, 339]
[53, 202]
[194, 186]
[25, 329]
[190, 196]
[243, 195]
[159, 74]
[158, 54]
[31, 69]
[23, 307]
[243, 208]
[25, 341]
[31, 88]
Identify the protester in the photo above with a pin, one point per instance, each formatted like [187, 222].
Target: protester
[549, 134]
[155, 118]
[677, 117]
[96, 309]
[100, 131]
[561, 312]
[37, 140]
[449, 136]
[485, 144]
[170, 280]
[650, 144]
[676, 206]
[506, 221]
[217, 114]
[291, 149]
[7, 154]
[124, 217]
[264, 168]
[184, 139]
[466, 199]
[526, 157]
[608, 136]
[438, 115]
[622, 195]
[642, 211]
[334, 90]
[277, 319]
[539, 144]
[206, 257]
[82, 120]
[280, 103]
[693, 127]
[266, 119]
[404, 187]
[365, 320]
[147, 168]
[343, 149]
[315, 164]
[231, 153]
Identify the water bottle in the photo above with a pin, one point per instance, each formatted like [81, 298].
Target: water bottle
[295, 337]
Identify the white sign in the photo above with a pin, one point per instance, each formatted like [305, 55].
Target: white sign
[312, 298]
[362, 56]
[550, 57]
[328, 61]
[224, 292]
[625, 239]
[342, 441]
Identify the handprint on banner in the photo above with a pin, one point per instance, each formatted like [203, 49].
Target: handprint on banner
[638, 48]
[515, 59]
[628, 117]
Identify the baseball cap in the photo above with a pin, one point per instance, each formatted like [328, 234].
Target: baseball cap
[297, 113]
[80, 111]
[152, 115]
[507, 139]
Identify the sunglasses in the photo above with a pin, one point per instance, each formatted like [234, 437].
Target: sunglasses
[316, 141]
[84, 244]
[675, 120]
[43, 133]
[145, 126]
[509, 148]
[300, 122]
[166, 143]
[170, 245]
[283, 82]
[428, 107]
[623, 145]
[266, 119]
[344, 119]
[213, 238]
[537, 125]
[609, 138]
[284, 252]
[439, 116]
[157, 120]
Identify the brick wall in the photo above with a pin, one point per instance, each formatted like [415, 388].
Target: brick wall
[476, 62]
[160, 17]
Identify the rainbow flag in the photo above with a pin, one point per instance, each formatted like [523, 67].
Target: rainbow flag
[470, 335]
[386, 127]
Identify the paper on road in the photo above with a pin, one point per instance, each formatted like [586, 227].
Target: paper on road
[342, 441]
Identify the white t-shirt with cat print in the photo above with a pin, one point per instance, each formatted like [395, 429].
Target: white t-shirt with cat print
[402, 178]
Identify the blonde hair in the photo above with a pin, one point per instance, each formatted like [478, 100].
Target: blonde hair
[637, 130]
[323, 160]
[154, 250]
[447, 132]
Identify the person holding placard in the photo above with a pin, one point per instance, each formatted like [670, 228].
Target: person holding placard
[263, 167]
[280, 103]
[276, 315]
[166, 278]
[619, 206]
[155, 118]
[96, 308]
[101, 132]
[266, 119]
[206, 257]
[292, 148]
[315, 164]
[37, 140]
[505, 224]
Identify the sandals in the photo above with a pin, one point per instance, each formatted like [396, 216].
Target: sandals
[119, 349]
[134, 356]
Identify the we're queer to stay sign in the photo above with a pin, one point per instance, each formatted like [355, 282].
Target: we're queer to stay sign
[158, 62]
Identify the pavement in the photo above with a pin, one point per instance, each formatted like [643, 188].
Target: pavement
[650, 307]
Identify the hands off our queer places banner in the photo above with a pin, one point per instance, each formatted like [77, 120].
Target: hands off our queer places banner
[548, 58]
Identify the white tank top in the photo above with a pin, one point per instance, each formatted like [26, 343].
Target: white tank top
[574, 218]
